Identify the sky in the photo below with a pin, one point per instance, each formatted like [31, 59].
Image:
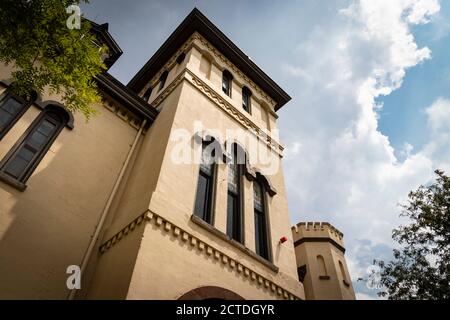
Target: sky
[370, 115]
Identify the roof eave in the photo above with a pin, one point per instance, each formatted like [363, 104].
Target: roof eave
[196, 21]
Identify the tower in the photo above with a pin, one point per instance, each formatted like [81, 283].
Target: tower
[185, 227]
[321, 265]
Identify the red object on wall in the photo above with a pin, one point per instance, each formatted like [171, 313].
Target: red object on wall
[283, 239]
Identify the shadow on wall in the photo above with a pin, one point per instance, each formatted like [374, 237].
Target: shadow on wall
[48, 226]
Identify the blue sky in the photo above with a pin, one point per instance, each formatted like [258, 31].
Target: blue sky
[370, 114]
[402, 118]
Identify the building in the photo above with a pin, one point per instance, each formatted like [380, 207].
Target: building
[131, 199]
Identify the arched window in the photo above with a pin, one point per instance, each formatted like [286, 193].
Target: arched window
[261, 229]
[246, 99]
[12, 108]
[205, 65]
[24, 157]
[344, 275]
[181, 58]
[322, 267]
[227, 79]
[147, 94]
[205, 185]
[162, 79]
[234, 198]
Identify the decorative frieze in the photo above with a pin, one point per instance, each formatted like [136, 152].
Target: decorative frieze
[226, 106]
[213, 51]
[202, 247]
[234, 112]
[121, 113]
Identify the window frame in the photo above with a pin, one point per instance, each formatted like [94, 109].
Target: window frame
[236, 229]
[266, 220]
[246, 93]
[181, 58]
[147, 94]
[211, 188]
[227, 77]
[162, 80]
[25, 105]
[20, 183]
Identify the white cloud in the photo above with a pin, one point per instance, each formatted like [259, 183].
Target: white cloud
[439, 115]
[346, 171]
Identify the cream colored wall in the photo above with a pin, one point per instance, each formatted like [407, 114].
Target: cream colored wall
[259, 113]
[323, 289]
[132, 200]
[348, 292]
[146, 169]
[181, 267]
[208, 63]
[47, 227]
[167, 189]
[174, 198]
[115, 267]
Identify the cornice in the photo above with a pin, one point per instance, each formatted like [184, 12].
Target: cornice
[235, 113]
[212, 50]
[221, 102]
[197, 22]
[184, 236]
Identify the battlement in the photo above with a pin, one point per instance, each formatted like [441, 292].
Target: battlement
[317, 230]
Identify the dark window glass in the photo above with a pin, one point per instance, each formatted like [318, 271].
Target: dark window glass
[147, 94]
[11, 109]
[25, 157]
[226, 82]
[181, 57]
[261, 236]
[234, 216]
[162, 80]
[246, 99]
[203, 200]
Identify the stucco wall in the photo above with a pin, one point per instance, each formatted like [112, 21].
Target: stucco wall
[324, 289]
[174, 198]
[48, 226]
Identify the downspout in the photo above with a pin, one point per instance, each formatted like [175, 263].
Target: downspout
[105, 212]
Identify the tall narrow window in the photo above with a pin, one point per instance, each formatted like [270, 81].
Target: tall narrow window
[205, 186]
[246, 99]
[11, 109]
[162, 80]
[322, 267]
[234, 212]
[261, 235]
[21, 161]
[147, 94]
[227, 79]
[181, 58]
[344, 275]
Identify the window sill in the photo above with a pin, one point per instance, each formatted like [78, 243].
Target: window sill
[12, 182]
[233, 242]
[324, 277]
[346, 283]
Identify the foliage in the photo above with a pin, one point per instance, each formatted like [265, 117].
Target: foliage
[421, 268]
[47, 54]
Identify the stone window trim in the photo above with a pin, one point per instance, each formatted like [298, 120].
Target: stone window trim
[25, 105]
[223, 236]
[247, 99]
[49, 106]
[227, 82]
